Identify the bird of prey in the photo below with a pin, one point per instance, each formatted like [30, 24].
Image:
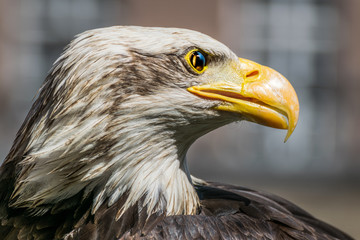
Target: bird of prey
[101, 153]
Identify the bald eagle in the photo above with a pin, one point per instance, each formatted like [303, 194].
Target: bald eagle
[101, 154]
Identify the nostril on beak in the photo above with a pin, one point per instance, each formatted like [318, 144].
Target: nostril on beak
[253, 74]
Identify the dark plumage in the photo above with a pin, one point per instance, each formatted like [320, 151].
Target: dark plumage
[101, 154]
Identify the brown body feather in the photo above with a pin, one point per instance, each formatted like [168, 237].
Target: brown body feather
[226, 212]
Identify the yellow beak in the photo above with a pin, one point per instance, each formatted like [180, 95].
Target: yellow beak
[257, 92]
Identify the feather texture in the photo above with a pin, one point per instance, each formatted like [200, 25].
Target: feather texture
[226, 212]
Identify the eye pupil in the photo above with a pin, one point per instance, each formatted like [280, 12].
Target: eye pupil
[198, 60]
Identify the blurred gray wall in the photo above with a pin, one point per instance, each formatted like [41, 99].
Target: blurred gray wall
[314, 43]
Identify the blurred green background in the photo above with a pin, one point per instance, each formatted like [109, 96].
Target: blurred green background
[314, 43]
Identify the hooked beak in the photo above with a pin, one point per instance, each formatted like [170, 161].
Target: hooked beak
[259, 93]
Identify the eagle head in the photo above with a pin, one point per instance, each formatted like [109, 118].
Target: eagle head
[120, 108]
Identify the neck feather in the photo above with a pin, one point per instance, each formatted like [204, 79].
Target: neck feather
[133, 152]
[159, 179]
[149, 165]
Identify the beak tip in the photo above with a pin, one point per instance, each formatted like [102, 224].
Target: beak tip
[289, 132]
[291, 129]
[293, 117]
[287, 137]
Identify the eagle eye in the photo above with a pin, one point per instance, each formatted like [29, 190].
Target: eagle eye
[196, 60]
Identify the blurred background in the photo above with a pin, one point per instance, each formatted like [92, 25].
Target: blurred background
[314, 43]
